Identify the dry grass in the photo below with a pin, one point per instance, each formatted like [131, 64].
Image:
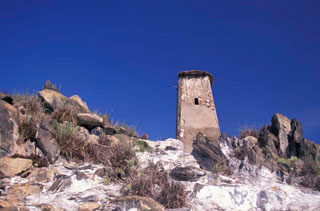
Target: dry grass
[31, 106]
[247, 131]
[154, 182]
[65, 114]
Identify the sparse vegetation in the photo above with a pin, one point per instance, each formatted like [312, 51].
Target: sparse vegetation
[311, 173]
[65, 114]
[154, 182]
[32, 108]
[240, 152]
[143, 145]
[218, 167]
[249, 131]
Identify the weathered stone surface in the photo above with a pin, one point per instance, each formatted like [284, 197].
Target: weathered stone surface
[7, 98]
[50, 86]
[255, 156]
[12, 166]
[89, 206]
[196, 110]
[188, 173]
[89, 120]
[45, 139]
[9, 130]
[78, 105]
[60, 184]
[52, 100]
[207, 152]
[98, 131]
[18, 192]
[80, 175]
[268, 140]
[296, 140]
[110, 130]
[4, 204]
[46, 207]
[137, 203]
[41, 174]
[281, 124]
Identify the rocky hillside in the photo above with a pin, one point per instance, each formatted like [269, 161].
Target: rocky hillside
[55, 154]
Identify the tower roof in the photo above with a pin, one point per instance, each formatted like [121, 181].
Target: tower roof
[196, 73]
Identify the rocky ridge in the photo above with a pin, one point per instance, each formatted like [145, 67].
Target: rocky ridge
[57, 155]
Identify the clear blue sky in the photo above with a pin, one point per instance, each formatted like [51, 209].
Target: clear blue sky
[123, 57]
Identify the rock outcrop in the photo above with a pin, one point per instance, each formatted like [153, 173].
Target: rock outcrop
[207, 152]
[9, 130]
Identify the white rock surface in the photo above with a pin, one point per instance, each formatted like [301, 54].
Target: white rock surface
[249, 188]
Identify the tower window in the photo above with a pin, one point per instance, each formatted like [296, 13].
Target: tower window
[196, 101]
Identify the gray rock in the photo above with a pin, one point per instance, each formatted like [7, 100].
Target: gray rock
[45, 139]
[268, 140]
[89, 120]
[296, 141]
[110, 130]
[207, 152]
[50, 86]
[98, 131]
[188, 173]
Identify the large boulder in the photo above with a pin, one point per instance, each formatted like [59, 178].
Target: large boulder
[78, 105]
[282, 127]
[12, 166]
[52, 99]
[207, 152]
[188, 173]
[296, 140]
[9, 131]
[89, 120]
[45, 139]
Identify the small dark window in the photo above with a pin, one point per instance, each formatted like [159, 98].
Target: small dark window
[196, 101]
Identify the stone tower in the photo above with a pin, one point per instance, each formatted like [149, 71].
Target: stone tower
[196, 111]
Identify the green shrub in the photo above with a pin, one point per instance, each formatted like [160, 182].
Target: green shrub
[143, 145]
